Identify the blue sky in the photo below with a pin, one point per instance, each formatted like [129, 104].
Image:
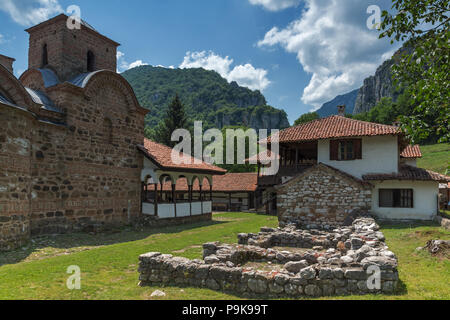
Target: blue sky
[299, 53]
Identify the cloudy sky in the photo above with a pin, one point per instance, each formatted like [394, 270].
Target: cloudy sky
[299, 53]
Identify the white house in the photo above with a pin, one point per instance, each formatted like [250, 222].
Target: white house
[336, 166]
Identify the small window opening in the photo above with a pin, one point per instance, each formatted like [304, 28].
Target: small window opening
[44, 56]
[107, 131]
[90, 61]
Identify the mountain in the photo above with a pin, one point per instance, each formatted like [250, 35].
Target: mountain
[370, 94]
[375, 88]
[206, 96]
[330, 108]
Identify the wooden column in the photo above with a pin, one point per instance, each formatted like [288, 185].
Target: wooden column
[296, 158]
[156, 199]
[174, 199]
[190, 199]
[229, 202]
[201, 198]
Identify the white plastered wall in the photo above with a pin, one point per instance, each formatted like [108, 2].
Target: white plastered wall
[379, 155]
[425, 200]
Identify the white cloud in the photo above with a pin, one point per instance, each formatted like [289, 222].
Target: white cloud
[123, 65]
[276, 5]
[245, 75]
[2, 39]
[334, 45]
[30, 12]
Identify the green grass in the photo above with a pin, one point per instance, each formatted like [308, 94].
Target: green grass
[435, 157]
[109, 262]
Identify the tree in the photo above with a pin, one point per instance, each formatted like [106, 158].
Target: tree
[175, 119]
[307, 117]
[425, 68]
[237, 168]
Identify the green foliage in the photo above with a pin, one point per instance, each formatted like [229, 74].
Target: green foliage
[206, 96]
[388, 112]
[307, 117]
[109, 262]
[424, 70]
[237, 168]
[175, 119]
[436, 158]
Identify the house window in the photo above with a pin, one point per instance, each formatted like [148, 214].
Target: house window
[396, 198]
[346, 150]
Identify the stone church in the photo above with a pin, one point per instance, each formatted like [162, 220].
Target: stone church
[69, 127]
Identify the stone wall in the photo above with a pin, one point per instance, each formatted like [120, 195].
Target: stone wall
[86, 174]
[322, 196]
[15, 177]
[337, 271]
[71, 166]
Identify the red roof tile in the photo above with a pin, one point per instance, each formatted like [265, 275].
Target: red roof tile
[335, 127]
[162, 155]
[231, 182]
[412, 152]
[409, 173]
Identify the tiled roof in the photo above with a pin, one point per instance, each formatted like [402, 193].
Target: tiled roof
[412, 152]
[231, 182]
[409, 173]
[335, 127]
[162, 155]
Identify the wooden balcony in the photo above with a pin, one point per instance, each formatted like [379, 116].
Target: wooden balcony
[288, 171]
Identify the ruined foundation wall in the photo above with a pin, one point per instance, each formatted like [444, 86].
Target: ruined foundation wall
[334, 272]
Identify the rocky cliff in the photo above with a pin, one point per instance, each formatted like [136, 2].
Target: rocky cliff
[375, 88]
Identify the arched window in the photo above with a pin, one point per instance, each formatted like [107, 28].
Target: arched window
[90, 61]
[44, 56]
[107, 131]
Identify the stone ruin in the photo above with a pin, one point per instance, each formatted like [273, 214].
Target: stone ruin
[285, 262]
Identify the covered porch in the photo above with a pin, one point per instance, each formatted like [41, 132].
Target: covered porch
[177, 203]
[164, 195]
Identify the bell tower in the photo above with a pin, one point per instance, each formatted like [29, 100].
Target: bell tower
[70, 52]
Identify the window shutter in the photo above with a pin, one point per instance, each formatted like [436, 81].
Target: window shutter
[334, 150]
[358, 148]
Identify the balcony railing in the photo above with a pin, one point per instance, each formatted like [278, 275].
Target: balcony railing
[184, 209]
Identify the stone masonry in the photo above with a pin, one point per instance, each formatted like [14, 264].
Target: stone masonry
[68, 155]
[340, 263]
[322, 196]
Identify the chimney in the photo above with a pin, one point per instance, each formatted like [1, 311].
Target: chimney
[7, 62]
[341, 111]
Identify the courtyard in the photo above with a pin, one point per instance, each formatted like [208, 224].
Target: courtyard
[109, 261]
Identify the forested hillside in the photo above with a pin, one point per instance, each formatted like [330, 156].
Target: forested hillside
[206, 96]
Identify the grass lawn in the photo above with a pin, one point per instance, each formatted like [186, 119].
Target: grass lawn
[435, 157]
[109, 262]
